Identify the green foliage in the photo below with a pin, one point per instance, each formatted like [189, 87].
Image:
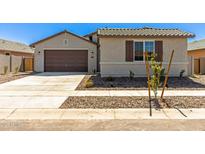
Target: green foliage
[89, 83]
[5, 70]
[157, 73]
[131, 76]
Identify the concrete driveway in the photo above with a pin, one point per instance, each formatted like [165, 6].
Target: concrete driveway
[43, 90]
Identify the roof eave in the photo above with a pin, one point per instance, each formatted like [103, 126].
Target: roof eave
[151, 36]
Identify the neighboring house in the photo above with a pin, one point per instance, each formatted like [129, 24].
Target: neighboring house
[112, 52]
[15, 56]
[15, 48]
[196, 50]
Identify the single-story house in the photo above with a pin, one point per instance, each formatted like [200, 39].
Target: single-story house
[15, 48]
[196, 50]
[15, 55]
[112, 52]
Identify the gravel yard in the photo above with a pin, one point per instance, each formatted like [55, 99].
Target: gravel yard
[11, 77]
[107, 102]
[124, 83]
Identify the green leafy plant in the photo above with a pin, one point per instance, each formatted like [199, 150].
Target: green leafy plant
[16, 70]
[157, 72]
[5, 70]
[131, 76]
[89, 83]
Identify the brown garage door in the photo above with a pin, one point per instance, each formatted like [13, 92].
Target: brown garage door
[65, 60]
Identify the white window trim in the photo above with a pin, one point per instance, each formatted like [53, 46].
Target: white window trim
[143, 49]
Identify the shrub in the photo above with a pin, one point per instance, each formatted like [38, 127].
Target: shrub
[131, 76]
[155, 78]
[16, 70]
[5, 70]
[181, 74]
[89, 83]
[109, 78]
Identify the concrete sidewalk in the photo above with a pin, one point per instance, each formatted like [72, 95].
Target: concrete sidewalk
[66, 93]
[101, 120]
[98, 114]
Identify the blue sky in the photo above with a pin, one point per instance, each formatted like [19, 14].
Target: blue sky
[29, 33]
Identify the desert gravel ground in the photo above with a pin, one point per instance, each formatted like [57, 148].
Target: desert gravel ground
[108, 102]
[125, 83]
[11, 77]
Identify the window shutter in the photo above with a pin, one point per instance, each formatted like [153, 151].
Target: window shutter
[129, 50]
[159, 50]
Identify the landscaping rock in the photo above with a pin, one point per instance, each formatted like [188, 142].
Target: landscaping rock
[107, 102]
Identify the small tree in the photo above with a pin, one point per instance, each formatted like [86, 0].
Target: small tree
[155, 78]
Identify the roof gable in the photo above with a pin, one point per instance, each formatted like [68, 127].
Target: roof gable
[65, 31]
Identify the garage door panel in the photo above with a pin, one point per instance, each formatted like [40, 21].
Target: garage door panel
[66, 61]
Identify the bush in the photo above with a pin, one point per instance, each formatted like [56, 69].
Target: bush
[16, 70]
[5, 70]
[109, 78]
[89, 83]
[131, 75]
[155, 78]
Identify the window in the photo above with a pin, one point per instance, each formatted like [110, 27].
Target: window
[7, 54]
[149, 48]
[139, 51]
[141, 47]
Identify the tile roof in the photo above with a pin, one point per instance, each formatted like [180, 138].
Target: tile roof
[200, 44]
[15, 46]
[143, 32]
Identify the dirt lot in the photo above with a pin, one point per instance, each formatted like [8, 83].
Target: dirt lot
[11, 77]
[125, 83]
[107, 102]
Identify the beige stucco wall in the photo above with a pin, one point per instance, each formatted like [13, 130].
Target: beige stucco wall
[202, 65]
[112, 51]
[57, 42]
[198, 54]
[16, 62]
[4, 61]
